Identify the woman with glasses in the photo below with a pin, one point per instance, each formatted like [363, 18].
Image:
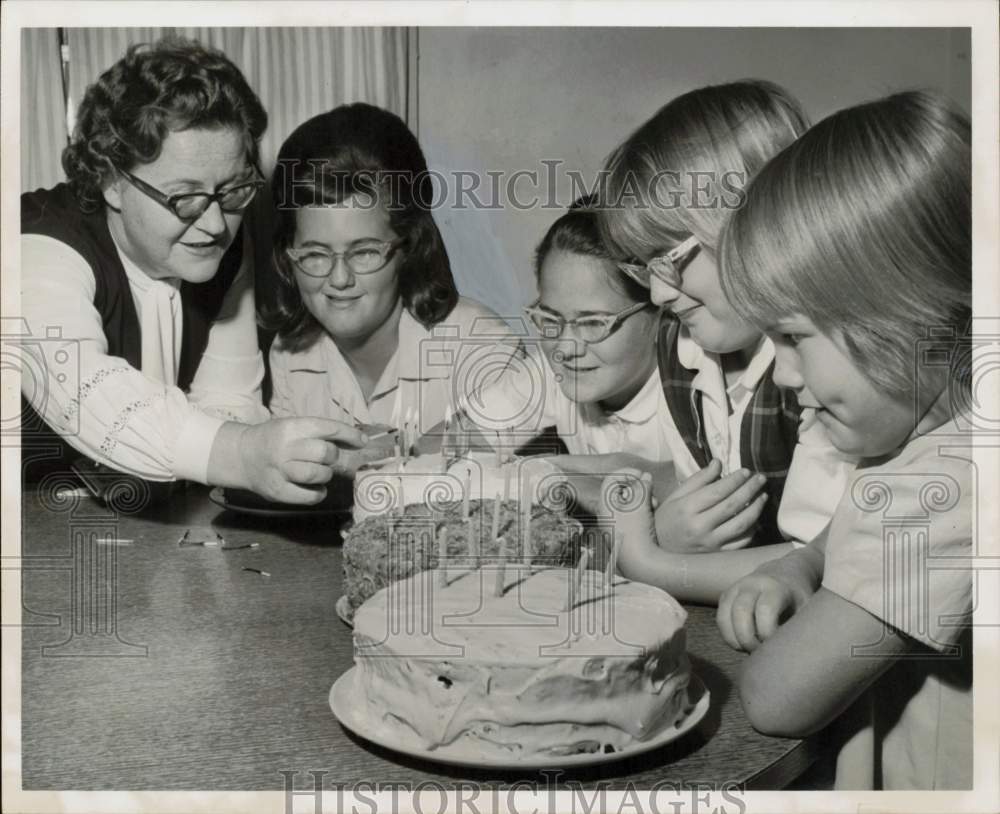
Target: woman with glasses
[591, 374]
[371, 329]
[137, 288]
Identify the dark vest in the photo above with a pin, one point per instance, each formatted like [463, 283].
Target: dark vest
[55, 213]
[768, 433]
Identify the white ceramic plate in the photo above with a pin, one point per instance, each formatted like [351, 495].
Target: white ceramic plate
[349, 709]
[218, 497]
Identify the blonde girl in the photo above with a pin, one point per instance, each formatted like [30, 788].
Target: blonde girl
[853, 253]
[747, 475]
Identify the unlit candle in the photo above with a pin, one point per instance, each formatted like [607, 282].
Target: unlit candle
[442, 576]
[501, 568]
[577, 581]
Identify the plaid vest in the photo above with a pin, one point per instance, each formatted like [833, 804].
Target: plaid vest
[768, 433]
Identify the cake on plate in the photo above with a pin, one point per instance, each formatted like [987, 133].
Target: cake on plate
[507, 660]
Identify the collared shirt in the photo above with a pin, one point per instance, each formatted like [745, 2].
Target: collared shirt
[135, 421]
[818, 473]
[528, 398]
[429, 371]
[900, 547]
[723, 406]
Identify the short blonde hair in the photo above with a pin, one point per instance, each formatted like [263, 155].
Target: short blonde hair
[683, 171]
[863, 226]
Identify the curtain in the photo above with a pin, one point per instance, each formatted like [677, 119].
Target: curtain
[43, 115]
[297, 72]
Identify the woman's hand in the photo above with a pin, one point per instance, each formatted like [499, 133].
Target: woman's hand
[706, 512]
[753, 608]
[288, 460]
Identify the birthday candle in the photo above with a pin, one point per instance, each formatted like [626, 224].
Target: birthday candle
[495, 531]
[467, 488]
[501, 568]
[526, 514]
[577, 579]
[442, 576]
[444, 438]
[414, 431]
[463, 406]
[610, 566]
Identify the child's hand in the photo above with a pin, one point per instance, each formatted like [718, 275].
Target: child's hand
[751, 609]
[627, 496]
[706, 512]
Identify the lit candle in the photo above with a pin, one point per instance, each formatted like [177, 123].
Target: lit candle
[611, 565]
[467, 493]
[501, 568]
[577, 579]
[442, 576]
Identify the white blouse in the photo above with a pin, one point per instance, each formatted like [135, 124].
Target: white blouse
[136, 421]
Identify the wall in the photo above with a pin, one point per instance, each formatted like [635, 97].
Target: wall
[504, 99]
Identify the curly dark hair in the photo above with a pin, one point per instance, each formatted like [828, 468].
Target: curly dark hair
[359, 149]
[125, 116]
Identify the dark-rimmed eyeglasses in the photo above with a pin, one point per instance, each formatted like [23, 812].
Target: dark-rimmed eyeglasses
[589, 329]
[189, 206]
[365, 258]
[666, 267]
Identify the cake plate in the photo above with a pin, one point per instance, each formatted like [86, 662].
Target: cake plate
[348, 704]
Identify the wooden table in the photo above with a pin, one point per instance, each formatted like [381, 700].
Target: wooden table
[147, 665]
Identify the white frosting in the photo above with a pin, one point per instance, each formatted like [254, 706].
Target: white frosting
[516, 674]
[425, 479]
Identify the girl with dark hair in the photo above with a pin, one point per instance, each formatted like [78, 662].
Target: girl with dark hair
[136, 276]
[371, 329]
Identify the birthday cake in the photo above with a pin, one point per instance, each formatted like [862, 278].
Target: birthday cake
[387, 547]
[444, 662]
